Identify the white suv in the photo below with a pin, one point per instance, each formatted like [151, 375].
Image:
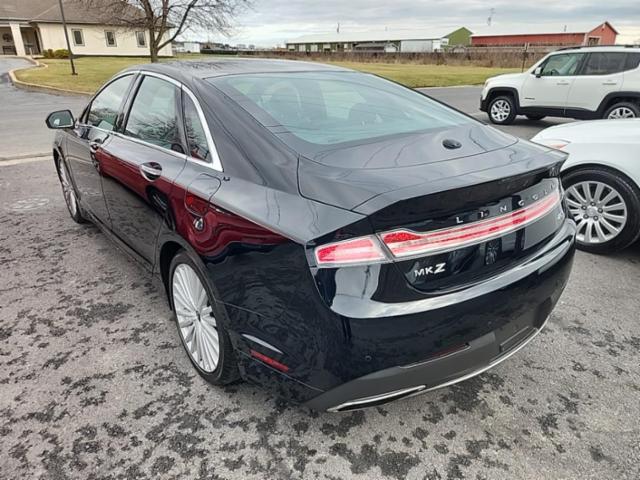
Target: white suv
[578, 82]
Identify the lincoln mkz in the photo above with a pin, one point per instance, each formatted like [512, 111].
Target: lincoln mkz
[333, 236]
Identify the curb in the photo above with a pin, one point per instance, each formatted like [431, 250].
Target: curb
[34, 87]
[22, 161]
[26, 155]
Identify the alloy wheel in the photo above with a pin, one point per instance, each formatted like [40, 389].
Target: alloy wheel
[68, 191]
[598, 209]
[621, 112]
[196, 322]
[500, 110]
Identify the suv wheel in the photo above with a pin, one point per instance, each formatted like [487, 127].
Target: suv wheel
[605, 207]
[622, 110]
[502, 110]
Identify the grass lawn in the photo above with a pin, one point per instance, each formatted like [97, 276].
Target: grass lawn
[94, 71]
[413, 75]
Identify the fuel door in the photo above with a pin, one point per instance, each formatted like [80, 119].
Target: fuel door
[197, 202]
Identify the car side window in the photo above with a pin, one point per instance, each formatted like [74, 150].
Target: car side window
[198, 146]
[105, 107]
[605, 63]
[633, 61]
[153, 116]
[562, 65]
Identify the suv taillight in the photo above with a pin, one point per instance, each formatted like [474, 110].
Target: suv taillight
[404, 243]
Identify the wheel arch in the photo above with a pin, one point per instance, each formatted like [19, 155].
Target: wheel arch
[616, 97]
[169, 245]
[498, 91]
[603, 166]
[57, 155]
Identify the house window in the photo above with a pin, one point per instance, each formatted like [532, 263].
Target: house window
[110, 36]
[141, 38]
[78, 37]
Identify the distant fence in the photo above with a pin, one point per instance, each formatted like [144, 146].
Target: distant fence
[508, 57]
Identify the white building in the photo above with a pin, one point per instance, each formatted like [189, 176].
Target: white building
[187, 47]
[386, 41]
[29, 27]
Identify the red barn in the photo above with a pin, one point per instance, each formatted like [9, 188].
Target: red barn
[603, 34]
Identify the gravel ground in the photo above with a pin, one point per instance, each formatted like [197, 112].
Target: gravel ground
[95, 385]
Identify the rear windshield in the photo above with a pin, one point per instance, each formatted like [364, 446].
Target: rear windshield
[323, 109]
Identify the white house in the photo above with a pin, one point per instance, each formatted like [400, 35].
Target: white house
[29, 27]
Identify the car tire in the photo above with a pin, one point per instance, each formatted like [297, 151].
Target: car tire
[622, 110]
[502, 110]
[69, 192]
[608, 213]
[535, 118]
[208, 321]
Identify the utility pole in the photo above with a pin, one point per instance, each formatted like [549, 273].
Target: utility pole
[66, 36]
[490, 19]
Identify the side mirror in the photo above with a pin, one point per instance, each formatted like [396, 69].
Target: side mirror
[538, 72]
[60, 119]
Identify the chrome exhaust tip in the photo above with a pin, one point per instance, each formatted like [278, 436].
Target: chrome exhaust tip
[376, 399]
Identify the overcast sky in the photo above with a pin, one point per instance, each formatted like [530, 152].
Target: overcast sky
[272, 22]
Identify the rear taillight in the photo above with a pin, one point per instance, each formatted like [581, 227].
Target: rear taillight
[350, 252]
[407, 243]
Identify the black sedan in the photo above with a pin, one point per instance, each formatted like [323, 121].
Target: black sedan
[333, 236]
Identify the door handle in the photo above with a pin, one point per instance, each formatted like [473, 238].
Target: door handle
[94, 146]
[563, 83]
[609, 83]
[151, 171]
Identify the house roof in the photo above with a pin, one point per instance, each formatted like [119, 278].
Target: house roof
[23, 10]
[380, 36]
[48, 11]
[514, 30]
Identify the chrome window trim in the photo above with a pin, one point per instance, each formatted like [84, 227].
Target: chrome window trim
[215, 163]
[87, 109]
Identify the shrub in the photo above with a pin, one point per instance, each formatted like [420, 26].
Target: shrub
[61, 53]
[48, 53]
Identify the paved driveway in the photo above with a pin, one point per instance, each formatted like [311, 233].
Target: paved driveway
[94, 383]
[22, 129]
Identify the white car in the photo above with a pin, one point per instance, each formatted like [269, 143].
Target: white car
[601, 178]
[580, 82]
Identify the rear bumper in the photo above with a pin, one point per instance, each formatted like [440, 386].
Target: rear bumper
[473, 335]
[472, 359]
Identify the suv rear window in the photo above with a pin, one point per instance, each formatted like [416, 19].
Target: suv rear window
[633, 61]
[605, 63]
[328, 108]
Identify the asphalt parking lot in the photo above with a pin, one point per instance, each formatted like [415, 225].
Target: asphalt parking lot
[95, 384]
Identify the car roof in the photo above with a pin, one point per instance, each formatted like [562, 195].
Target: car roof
[602, 49]
[203, 68]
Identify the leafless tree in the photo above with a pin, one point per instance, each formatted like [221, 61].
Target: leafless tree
[164, 20]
